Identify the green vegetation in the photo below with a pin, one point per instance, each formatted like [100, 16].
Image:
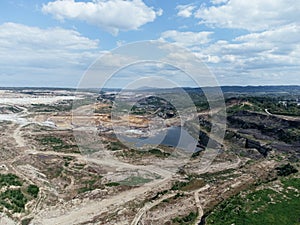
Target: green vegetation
[112, 184]
[33, 190]
[158, 153]
[131, 153]
[286, 170]
[189, 219]
[158, 194]
[242, 107]
[290, 135]
[13, 200]
[138, 111]
[9, 180]
[291, 182]
[196, 154]
[67, 160]
[52, 140]
[275, 105]
[82, 102]
[91, 184]
[54, 172]
[26, 221]
[12, 109]
[103, 110]
[84, 189]
[116, 145]
[62, 106]
[57, 144]
[220, 175]
[199, 100]
[190, 185]
[51, 108]
[264, 206]
[79, 166]
[178, 195]
[154, 105]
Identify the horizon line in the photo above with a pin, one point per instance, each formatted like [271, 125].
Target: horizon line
[146, 87]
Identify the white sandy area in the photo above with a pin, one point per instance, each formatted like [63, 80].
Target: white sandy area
[34, 100]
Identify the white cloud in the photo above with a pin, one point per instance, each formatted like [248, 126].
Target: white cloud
[53, 53]
[217, 2]
[276, 48]
[13, 34]
[255, 15]
[187, 39]
[268, 57]
[113, 15]
[289, 34]
[185, 10]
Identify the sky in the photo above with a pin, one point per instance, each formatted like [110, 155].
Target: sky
[53, 43]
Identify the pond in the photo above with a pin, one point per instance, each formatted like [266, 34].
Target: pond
[173, 136]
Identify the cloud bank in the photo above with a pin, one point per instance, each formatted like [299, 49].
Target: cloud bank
[113, 15]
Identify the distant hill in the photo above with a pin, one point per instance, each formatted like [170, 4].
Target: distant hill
[226, 89]
[266, 89]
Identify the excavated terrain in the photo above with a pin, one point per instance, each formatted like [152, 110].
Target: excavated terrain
[61, 161]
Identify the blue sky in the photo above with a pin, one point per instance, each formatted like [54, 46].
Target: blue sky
[52, 43]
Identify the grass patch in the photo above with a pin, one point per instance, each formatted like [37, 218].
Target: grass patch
[57, 144]
[112, 184]
[220, 175]
[264, 206]
[91, 184]
[50, 140]
[186, 220]
[190, 185]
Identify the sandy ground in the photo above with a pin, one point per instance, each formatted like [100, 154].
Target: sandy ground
[66, 213]
[4, 220]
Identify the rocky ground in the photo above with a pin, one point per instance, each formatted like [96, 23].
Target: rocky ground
[85, 175]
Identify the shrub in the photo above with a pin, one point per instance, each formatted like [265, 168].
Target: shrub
[33, 190]
[286, 170]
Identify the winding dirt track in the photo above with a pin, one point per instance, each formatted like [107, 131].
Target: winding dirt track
[86, 212]
[148, 206]
[291, 118]
[62, 215]
[197, 200]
